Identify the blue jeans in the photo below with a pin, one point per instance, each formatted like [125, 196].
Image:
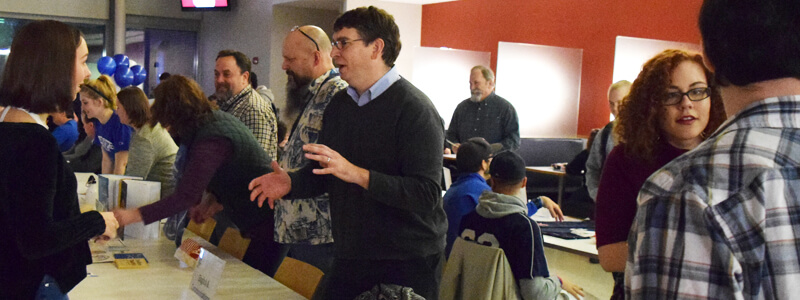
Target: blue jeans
[49, 290]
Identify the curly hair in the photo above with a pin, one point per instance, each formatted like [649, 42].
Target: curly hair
[180, 105]
[638, 128]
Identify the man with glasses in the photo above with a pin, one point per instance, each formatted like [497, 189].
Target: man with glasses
[305, 224]
[380, 154]
[721, 220]
[484, 114]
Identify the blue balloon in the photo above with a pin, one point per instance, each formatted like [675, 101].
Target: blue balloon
[106, 65]
[139, 74]
[123, 77]
[122, 61]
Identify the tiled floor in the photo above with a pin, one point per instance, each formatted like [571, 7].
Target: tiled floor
[577, 269]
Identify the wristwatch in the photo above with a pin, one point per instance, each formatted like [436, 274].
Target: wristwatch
[538, 202]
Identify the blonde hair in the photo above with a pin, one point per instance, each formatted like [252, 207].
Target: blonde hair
[102, 88]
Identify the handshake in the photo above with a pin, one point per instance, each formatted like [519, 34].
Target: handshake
[111, 227]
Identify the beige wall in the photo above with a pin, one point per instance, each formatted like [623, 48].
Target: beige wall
[244, 28]
[88, 9]
[409, 18]
[96, 9]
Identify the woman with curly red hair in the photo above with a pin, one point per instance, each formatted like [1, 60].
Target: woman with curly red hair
[672, 106]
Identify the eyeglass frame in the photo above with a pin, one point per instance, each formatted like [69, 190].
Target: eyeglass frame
[297, 28]
[343, 43]
[669, 95]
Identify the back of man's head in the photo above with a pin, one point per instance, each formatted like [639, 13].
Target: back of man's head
[507, 170]
[749, 41]
[472, 154]
[373, 23]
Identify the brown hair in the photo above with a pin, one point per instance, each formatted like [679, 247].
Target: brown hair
[373, 23]
[39, 70]
[180, 105]
[136, 105]
[638, 124]
[103, 89]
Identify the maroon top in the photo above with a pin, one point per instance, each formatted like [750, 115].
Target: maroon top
[622, 178]
[205, 157]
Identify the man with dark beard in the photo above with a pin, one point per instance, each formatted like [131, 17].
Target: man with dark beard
[484, 115]
[305, 224]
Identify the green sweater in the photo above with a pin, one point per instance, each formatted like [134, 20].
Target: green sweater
[398, 137]
[230, 181]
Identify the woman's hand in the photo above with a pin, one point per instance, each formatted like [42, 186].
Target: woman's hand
[111, 227]
[127, 216]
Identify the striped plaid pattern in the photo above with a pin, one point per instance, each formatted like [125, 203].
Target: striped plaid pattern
[256, 113]
[723, 221]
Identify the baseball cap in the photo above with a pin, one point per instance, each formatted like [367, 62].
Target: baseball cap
[507, 166]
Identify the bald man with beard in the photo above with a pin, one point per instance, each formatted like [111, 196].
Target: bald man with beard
[305, 224]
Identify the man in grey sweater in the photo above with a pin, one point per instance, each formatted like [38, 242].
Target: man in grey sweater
[501, 220]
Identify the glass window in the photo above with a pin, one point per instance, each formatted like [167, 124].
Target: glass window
[94, 34]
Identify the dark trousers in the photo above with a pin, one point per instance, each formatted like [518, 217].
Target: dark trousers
[264, 254]
[351, 277]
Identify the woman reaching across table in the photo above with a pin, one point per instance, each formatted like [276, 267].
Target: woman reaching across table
[222, 157]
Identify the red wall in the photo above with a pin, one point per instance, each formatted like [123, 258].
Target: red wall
[591, 25]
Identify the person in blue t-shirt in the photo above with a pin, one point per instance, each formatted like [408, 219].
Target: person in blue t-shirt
[472, 161]
[66, 133]
[99, 100]
[501, 221]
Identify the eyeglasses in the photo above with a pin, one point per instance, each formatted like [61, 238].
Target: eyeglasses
[297, 28]
[697, 94]
[343, 43]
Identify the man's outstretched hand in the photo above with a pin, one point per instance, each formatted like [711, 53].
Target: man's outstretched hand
[271, 186]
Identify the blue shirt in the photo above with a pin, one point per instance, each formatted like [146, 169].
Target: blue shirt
[66, 135]
[377, 89]
[460, 200]
[113, 136]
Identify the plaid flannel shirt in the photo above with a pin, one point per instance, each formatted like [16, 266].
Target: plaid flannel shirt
[723, 221]
[307, 221]
[256, 113]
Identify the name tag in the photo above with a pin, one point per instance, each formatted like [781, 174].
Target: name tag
[207, 274]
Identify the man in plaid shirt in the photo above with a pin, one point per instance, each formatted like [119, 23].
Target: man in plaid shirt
[237, 97]
[723, 221]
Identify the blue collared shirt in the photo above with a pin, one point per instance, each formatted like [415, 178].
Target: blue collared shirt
[377, 89]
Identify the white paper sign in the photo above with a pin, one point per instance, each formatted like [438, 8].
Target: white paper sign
[207, 274]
